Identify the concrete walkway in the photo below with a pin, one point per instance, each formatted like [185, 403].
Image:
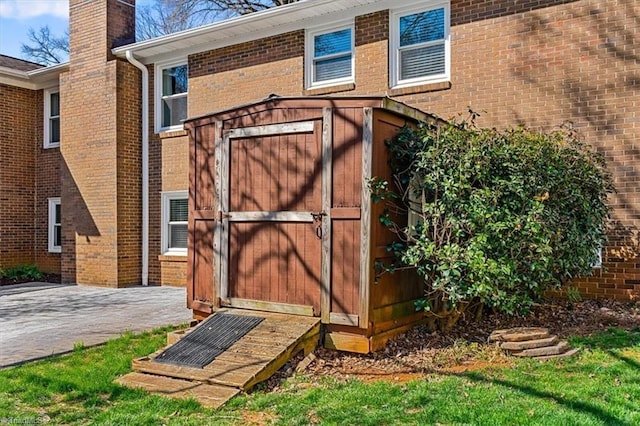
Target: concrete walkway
[42, 319]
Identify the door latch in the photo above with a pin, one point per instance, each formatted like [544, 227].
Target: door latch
[317, 223]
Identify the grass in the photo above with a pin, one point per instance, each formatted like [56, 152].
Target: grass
[601, 386]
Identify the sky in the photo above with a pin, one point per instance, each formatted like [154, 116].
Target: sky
[17, 16]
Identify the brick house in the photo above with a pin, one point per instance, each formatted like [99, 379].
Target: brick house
[85, 150]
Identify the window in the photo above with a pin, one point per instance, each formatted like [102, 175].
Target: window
[51, 118]
[174, 222]
[172, 81]
[329, 58]
[55, 225]
[420, 51]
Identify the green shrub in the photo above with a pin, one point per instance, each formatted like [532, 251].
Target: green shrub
[500, 216]
[22, 272]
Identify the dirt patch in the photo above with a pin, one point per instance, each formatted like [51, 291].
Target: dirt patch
[47, 278]
[257, 418]
[419, 351]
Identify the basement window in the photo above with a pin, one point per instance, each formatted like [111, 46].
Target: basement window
[329, 56]
[172, 82]
[55, 225]
[420, 45]
[52, 118]
[175, 212]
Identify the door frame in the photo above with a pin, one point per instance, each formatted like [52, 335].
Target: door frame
[222, 231]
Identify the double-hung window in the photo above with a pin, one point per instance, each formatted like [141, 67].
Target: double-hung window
[172, 82]
[329, 56]
[55, 225]
[420, 45]
[174, 222]
[52, 118]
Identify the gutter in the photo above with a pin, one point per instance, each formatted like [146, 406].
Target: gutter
[145, 165]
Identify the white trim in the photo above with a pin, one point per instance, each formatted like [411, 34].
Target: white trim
[598, 262]
[164, 239]
[309, 57]
[145, 166]
[47, 116]
[37, 79]
[158, 93]
[53, 202]
[271, 129]
[394, 44]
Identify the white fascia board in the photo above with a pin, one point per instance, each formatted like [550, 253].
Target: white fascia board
[49, 76]
[17, 78]
[254, 26]
[40, 78]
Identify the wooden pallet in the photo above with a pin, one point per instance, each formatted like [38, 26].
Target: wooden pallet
[251, 360]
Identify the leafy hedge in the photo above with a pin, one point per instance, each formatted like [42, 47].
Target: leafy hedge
[22, 272]
[500, 216]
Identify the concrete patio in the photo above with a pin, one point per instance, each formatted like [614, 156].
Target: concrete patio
[42, 319]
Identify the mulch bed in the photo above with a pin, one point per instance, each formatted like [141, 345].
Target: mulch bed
[47, 278]
[420, 352]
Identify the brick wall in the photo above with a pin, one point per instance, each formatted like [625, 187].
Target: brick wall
[100, 149]
[538, 63]
[47, 185]
[246, 72]
[129, 166]
[168, 171]
[17, 165]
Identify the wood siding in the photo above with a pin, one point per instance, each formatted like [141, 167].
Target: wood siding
[201, 295]
[345, 210]
[273, 164]
[272, 259]
[401, 286]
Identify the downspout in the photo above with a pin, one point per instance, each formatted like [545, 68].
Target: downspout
[145, 165]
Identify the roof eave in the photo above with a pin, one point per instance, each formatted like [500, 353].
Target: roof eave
[40, 78]
[200, 38]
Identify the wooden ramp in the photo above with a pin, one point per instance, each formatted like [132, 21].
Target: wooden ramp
[250, 360]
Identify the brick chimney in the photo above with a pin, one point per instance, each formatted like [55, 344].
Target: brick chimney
[100, 147]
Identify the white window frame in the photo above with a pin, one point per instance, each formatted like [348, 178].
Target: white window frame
[310, 59]
[48, 117]
[53, 202]
[166, 198]
[158, 94]
[394, 44]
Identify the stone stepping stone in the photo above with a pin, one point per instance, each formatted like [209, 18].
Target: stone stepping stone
[558, 349]
[519, 334]
[531, 342]
[567, 354]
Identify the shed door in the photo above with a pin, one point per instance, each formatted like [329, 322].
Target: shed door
[270, 245]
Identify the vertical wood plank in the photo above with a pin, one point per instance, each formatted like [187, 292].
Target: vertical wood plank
[217, 233]
[224, 223]
[194, 140]
[365, 220]
[327, 185]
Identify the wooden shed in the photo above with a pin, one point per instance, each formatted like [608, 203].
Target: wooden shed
[281, 218]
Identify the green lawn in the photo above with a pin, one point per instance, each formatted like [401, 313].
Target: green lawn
[601, 386]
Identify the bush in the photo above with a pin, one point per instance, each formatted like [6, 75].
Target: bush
[498, 216]
[22, 272]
